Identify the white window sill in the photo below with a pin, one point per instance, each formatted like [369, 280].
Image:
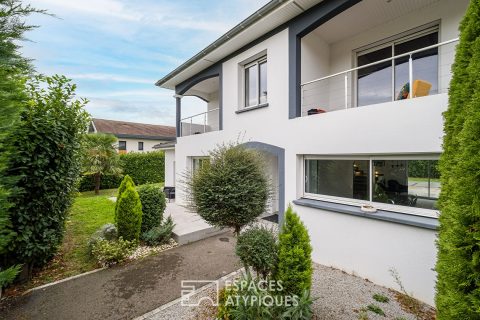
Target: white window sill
[258, 106]
[388, 216]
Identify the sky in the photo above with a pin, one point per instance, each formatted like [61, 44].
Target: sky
[115, 50]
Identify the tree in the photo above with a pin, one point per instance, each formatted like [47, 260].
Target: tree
[458, 260]
[101, 157]
[45, 168]
[294, 267]
[232, 190]
[13, 70]
[129, 214]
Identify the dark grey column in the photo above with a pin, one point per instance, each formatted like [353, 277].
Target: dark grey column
[179, 115]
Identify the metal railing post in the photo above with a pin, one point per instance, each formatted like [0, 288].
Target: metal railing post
[410, 77]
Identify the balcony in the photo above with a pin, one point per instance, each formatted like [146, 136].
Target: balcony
[203, 96]
[200, 123]
[380, 81]
[379, 52]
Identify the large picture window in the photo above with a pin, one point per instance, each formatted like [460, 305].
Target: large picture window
[389, 81]
[256, 83]
[404, 182]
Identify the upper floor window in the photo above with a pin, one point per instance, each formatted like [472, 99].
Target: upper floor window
[140, 146]
[256, 83]
[122, 145]
[389, 80]
[409, 184]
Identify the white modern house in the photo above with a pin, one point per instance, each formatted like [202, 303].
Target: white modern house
[134, 136]
[345, 100]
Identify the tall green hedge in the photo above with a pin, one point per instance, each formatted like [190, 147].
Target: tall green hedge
[46, 163]
[143, 168]
[458, 264]
[147, 167]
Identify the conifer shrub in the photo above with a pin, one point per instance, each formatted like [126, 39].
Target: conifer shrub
[159, 234]
[458, 260]
[257, 248]
[129, 214]
[126, 181]
[294, 267]
[153, 205]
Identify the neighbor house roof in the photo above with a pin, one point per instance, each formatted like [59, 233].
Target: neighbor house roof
[271, 16]
[123, 129]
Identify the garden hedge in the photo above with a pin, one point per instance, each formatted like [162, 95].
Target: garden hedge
[148, 167]
[143, 168]
[458, 264]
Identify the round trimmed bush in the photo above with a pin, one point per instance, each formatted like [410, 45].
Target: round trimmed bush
[257, 248]
[153, 205]
[129, 214]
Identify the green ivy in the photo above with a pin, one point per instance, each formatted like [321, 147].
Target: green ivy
[458, 264]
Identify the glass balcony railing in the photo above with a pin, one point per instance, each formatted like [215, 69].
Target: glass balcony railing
[200, 123]
[384, 80]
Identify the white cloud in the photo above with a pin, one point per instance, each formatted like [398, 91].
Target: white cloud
[111, 77]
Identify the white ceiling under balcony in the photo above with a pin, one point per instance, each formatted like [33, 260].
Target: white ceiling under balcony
[366, 15]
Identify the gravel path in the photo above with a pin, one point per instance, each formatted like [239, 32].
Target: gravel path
[340, 296]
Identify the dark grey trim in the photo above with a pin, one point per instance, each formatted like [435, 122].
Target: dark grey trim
[260, 106]
[139, 136]
[280, 154]
[211, 72]
[178, 103]
[389, 216]
[299, 27]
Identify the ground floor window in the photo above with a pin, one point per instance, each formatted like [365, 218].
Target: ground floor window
[407, 182]
[199, 162]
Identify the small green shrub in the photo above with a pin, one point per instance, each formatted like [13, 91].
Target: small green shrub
[129, 214]
[126, 181]
[257, 248]
[109, 253]
[376, 309]
[380, 298]
[254, 301]
[232, 190]
[294, 267]
[146, 167]
[159, 234]
[106, 232]
[153, 205]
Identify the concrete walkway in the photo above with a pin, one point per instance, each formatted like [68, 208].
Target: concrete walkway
[126, 292]
[189, 226]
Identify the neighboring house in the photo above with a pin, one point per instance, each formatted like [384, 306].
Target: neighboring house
[134, 137]
[321, 88]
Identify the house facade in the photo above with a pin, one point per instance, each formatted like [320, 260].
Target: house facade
[345, 99]
[134, 137]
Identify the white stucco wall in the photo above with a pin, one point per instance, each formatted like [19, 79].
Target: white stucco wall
[170, 167]
[132, 144]
[366, 247]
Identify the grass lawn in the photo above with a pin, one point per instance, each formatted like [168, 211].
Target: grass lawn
[88, 213]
